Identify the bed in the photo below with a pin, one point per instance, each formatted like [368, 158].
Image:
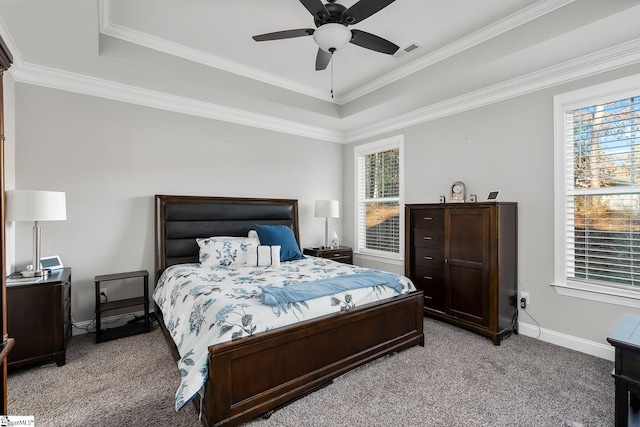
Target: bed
[253, 375]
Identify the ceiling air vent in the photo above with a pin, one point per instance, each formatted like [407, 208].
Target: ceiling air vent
[402, 52]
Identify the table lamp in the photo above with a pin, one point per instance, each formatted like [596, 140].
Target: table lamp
[327, 209]
[28, 205]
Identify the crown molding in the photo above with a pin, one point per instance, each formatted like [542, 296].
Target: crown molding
[521, 17]
[599, 62]
[48, 77]
[11, 45]
[67, 81]
[123, 33]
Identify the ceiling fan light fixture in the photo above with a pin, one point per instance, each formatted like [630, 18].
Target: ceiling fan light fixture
[331, 37]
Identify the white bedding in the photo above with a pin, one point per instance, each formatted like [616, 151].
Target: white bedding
[202, 306]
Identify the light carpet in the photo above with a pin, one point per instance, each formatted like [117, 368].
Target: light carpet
[457, 379]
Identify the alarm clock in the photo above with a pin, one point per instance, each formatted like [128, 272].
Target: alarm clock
[51, 263]
[457, 192]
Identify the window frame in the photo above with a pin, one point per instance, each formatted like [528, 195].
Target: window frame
[563, 103]
[370, 148]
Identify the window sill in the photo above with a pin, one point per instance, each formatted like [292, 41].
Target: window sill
[604, 294]
[379, 258]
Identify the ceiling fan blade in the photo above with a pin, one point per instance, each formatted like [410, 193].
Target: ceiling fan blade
[363, 9]
[322, 59]
[317, 9]
[287, 34]
[373, 42]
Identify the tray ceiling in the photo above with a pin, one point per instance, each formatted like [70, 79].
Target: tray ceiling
[200, 54]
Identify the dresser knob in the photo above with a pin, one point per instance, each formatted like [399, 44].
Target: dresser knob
[428, 277]
[428, 257]
[427, 238]
[428, 218]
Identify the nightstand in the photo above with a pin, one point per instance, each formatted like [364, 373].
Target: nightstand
[39, 318]
[102, 307]
[626, 372]
[339, 253]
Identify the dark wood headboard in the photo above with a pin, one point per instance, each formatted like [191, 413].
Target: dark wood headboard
[182, 219]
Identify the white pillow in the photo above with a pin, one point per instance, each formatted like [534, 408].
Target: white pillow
[264, 256]
[224, 251]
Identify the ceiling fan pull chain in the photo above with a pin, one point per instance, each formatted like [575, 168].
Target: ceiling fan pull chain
[332, 60]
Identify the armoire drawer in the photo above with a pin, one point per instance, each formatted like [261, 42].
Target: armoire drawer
[428, 275]
[431, 281]
[427, 218]
[428, 237]
[429, 257]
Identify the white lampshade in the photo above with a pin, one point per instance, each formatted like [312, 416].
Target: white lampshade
[327, 208]
[28, 205]
[36, 206]
[331, 36]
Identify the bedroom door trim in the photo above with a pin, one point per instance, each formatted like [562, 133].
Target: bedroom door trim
[6, 59]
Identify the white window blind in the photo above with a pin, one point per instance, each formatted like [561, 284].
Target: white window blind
[602, 193]
[379, 222]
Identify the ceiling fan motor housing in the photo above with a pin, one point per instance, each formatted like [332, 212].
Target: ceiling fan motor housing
[336, 11]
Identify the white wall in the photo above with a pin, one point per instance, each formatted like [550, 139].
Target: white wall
[111, 158]
[507, 146]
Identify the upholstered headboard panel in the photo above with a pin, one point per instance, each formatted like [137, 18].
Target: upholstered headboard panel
[182, 219]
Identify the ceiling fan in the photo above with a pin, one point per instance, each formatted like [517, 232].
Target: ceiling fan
[331, 31]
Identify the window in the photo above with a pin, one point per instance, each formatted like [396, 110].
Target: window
[598, 190]
[379, 219]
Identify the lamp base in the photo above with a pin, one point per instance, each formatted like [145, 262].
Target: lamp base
[31, 273]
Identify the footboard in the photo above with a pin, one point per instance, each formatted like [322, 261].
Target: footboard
[252, 376]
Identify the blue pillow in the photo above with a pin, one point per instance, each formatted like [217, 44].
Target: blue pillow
[282, 235]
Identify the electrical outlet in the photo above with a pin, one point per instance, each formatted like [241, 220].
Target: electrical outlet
[525, 295]
[103, 295]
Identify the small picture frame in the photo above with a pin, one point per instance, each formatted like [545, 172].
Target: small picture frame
[51, 263]
[494, 196]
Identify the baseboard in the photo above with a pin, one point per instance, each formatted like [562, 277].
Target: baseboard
[574, 343]
[80, 328]
[558, 338]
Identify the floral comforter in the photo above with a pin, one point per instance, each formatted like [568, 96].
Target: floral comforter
[203, 306]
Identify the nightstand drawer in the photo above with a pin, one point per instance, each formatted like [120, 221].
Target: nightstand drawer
[334, 255]
[342, 254]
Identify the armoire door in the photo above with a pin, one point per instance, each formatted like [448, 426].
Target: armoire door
[467, 264]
